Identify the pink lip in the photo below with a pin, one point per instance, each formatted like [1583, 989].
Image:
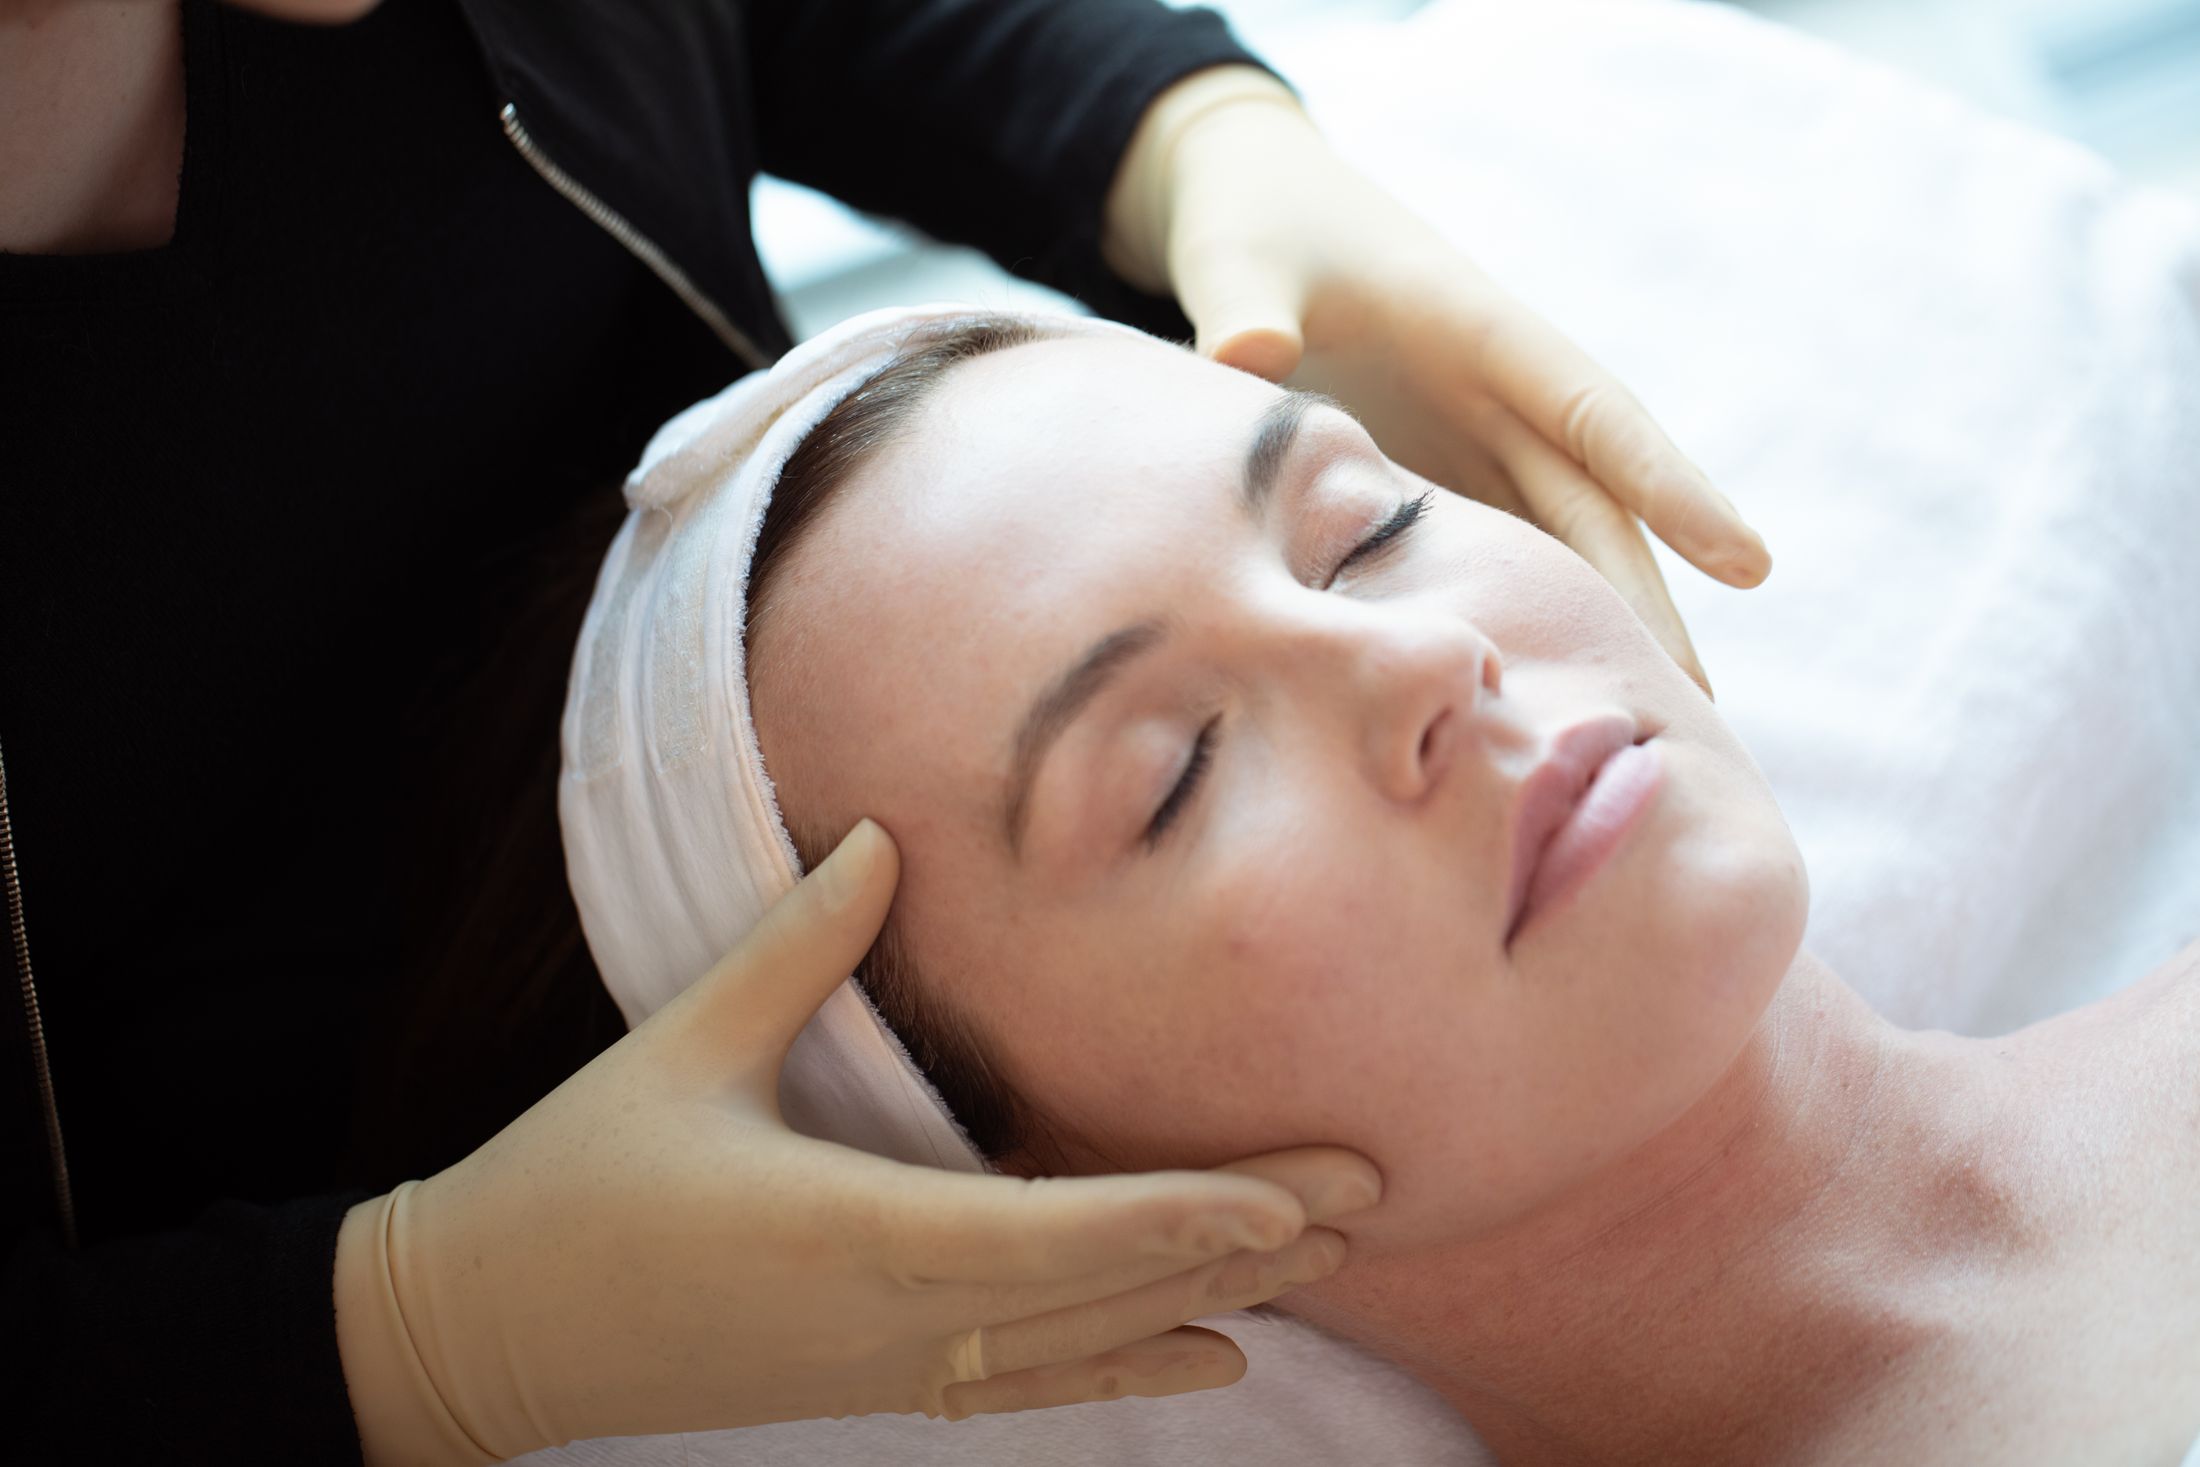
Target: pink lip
[1553, 850]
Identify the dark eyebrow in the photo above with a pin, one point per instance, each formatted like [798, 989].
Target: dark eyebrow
[1273, 433]
[1056, 708]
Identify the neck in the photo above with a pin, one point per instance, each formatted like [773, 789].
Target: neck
[1795, 1241]
[91, 125]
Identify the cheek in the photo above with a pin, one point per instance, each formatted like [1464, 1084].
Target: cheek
[1312, 989]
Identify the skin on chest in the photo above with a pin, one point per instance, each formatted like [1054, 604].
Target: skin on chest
[2089, 1351]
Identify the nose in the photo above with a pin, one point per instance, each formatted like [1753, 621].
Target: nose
[1421, 683]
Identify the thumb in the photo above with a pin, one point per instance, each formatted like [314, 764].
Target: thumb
[1245, 313]
[763, 992]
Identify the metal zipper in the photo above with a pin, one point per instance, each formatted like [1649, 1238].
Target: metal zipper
[637, 244]
[63, 1197]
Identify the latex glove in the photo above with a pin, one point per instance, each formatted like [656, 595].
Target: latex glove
[1293, 265]
[649, 1249]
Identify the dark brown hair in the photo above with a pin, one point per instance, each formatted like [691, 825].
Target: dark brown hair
[946, 1046]
[496, 999]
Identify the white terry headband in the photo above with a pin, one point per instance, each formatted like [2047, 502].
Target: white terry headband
[673, 840]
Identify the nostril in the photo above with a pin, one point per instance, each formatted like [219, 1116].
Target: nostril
[1428, 737]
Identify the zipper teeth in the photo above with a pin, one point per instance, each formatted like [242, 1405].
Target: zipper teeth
[64, 1197]
[636, 243]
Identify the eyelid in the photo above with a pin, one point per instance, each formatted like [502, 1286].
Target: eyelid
[1377, 541]
[1187, 784]
[1385, 536]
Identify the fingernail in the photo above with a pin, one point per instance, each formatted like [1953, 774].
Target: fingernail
[1216, 1233]
[842, 873]
[1320, 1255]
[1349, 1193]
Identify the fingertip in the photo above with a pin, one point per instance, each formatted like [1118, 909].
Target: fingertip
[809, 940]
[1325, 1251]
[1746, 561]
[1223, 1368]
[1267, 351]
[1327, 1181]
[1209, 1370]
[1746, 567]
[1756, 570]
[1187, 1358]
[1357, 1186]
[865, 856]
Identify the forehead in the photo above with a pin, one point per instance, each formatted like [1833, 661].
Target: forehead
[1014, 434]
[1044, 496]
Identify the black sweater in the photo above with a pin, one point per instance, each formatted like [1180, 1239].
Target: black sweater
[271, 499]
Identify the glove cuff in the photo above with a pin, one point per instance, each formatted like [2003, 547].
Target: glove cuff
[401, 1416]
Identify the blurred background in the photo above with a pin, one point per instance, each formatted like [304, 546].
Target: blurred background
[2119, 76]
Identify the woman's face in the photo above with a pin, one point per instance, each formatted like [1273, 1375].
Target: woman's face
[1212, 840]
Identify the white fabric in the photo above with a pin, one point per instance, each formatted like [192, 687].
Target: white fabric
[673, 842]
[1951, 369]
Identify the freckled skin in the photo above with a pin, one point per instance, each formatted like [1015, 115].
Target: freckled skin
[1315, 949]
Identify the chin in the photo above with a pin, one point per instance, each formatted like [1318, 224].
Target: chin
[1734, 924]
[1697, 942]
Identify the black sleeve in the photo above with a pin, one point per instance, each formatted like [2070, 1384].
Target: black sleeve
[997, 123]
[212, 1343]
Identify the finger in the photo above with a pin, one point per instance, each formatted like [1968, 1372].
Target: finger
[1020, 1246]
[1066, 1241]
[1452, 456]
[1565, 502]
[1330, 1181]
[1574, 403]
[761, 994]
[1069, 1239]
[1188, 1359]
[1237, 1282]
[1245, 312]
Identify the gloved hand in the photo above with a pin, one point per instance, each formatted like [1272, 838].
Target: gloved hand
[650, 1249]
[1291, 264]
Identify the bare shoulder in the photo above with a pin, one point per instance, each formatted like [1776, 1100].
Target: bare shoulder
[2146, 1057]
[2138, 1283]
[2085, 1347]
[2166, 1006]
[2108, 1324]
[2157, 1014]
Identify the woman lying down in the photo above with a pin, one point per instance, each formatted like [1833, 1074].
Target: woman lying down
[1251, 792]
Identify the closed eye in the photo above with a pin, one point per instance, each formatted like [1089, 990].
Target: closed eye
[1187, 784]
[1373, 546]
[1384, 536]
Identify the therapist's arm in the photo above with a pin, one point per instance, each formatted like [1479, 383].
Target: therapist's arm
[210, 1342]
[995, 123]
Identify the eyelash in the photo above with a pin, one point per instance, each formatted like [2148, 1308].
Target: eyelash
[1382, 537]
[1187, 784]
[1386, 534]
